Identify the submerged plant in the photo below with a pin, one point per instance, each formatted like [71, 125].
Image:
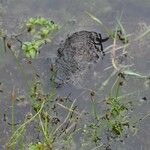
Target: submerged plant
[41, 31]
[31, 49]
[116, 117]
[110, 122]
[119, 32]
[38, 146]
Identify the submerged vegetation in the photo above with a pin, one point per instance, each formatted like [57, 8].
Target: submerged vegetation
[41, 31]
[108, 120]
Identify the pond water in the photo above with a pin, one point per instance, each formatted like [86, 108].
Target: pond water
[72, 17]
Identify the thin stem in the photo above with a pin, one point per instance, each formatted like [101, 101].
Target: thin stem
[24, 124]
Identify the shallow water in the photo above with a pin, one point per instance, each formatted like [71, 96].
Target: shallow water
[70, 14]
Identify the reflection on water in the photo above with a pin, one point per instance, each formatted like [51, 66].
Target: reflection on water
[72, 17]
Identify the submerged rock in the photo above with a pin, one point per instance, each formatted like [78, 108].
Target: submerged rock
[78, 51]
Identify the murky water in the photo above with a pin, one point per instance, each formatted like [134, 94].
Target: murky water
[71, 15]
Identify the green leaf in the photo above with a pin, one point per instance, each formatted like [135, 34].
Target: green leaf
[42, 28]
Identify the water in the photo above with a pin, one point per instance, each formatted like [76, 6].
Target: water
[70, 14]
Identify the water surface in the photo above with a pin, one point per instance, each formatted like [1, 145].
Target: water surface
[70, 14]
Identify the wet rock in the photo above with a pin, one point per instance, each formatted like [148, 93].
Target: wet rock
[77, 53]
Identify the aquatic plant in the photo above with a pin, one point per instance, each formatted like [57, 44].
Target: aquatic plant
[41, 31]
[119, 31]
[111, 121]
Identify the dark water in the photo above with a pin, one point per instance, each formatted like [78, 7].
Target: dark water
[70, 14]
